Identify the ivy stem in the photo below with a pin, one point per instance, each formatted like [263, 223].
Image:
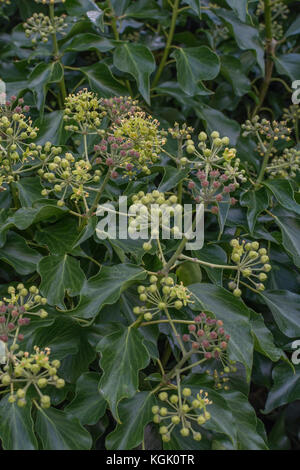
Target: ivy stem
[177, 335]
[114, 22]
[205, 263]
[99, 194]
[264, 163]
[61, 84]
[169, 43]
[157, 322]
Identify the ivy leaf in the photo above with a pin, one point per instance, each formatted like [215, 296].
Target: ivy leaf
[289, 65]
[138, 61]
[232, 70]
[106, 287]
[29, 190]
[264, 341]
[58, 431]
[88, 42]
[16, 426]
[240, 8]
[123, 355]
[88, 404]
[286, 386]
[216, 255]
[60, 273]
[59, 237]
[294, 29]
[235, 316]
[217, 121]
[256, 202]
[284, 194]
[193, 65]
[17, 253]
[290, 229]
[102, 81]
[285, 307]
[135, 414]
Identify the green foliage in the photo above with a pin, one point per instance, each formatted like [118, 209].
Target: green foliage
[121, 343]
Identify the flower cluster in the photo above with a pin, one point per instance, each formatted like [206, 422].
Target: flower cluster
[118, 153]
[207, 337]
[39, 27]
[119, 107]
[83, 112]
[292, 114]
[269, 131]
[143, 131]
[181, 133]
[212, 189]
[252, 264]
[285, 165]
[161, 295]
[24, 370]
[155, 210]
[184, 410]
[16, 134]
[13, 310]
[67, 175]
[279, 11]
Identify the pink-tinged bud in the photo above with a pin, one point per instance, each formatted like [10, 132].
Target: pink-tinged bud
[114, 146]
[114, 174]
[10, 306]
[210, 321]
[201, 175]
[219, 197]
[200, 333]
[8, 103]
[22, 309]
[203, 315]
[206, 343]
[13, 98]
[18, 109]
[214, 173]
[197, 319]
[21, 321]
[26, 109]
[20, 337]
[226, 189]
[216, 354]
[26, 320]
[213, 335]
[21, 100]
[215, 210]
[109, 161]
[2, 319]
[111, 139]
[97, 148]
[191, 185]
[216, 184]
[207, 355]
[197, 199]
[195, 345]
[11, 326]
[233, 201]
[232, 187]
[129, 167]
[221, 331]
[205, 183]
[227, 337]
[223, 345]
[224, 177]
[186, 338]
[2, 309]
[15, 313]
[123, 153]
[192, 327]
[103, 148]
[4, 338]
[220, 323]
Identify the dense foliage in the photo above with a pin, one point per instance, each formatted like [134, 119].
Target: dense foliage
[124, 343]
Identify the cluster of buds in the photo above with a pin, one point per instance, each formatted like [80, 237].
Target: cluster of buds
[67, 175]
[119, 107]
[39, 27]
[252, 264]
[161, 295]
[83, 112]
[155, 210]
[212, 188]
[143, 131]
[221, 378]
[292, 114]
[286, 165]
[118, 153]
[181, 133]
[184, 410]
[270, 131]
[13, 310]
[16, 134]
[207, 337]
[24, 370]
